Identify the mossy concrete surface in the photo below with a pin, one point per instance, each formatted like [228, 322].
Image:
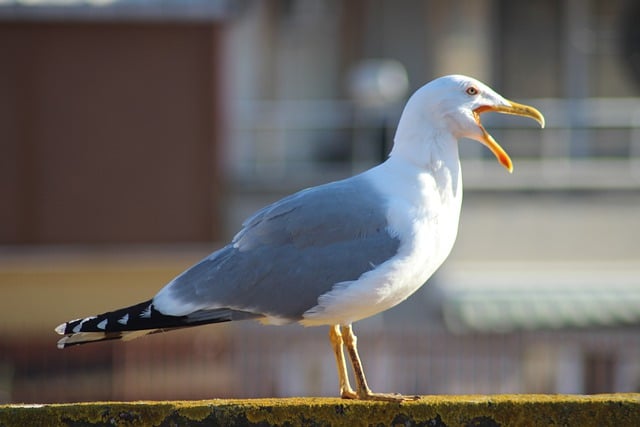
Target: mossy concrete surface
[619, 410]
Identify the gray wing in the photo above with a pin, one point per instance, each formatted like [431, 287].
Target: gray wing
[291, 252]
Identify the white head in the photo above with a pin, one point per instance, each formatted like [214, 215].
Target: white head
[450, 107]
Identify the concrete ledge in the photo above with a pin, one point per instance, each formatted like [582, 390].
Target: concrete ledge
[619, 410]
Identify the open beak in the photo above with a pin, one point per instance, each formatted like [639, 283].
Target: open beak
[511, 108]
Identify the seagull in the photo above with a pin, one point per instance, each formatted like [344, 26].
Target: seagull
[339, 252]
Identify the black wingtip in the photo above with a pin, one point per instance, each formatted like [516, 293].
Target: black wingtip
[137, 320]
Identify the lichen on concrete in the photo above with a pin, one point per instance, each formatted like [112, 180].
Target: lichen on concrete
[619, 410]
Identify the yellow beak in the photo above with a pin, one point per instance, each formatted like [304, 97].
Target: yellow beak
[513, 108]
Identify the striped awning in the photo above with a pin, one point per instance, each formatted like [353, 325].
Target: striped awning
[507, 297]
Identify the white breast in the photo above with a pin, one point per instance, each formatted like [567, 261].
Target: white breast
[423, 211]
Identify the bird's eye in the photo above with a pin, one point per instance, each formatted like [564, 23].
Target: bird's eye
[471, 90]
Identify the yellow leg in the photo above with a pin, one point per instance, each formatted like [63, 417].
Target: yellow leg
[346, 392]
[363, 391]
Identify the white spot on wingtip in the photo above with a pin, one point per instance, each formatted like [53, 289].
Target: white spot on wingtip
[146, 313]
[102, 325]
[61, 329]
[124, 319]
[78, 327]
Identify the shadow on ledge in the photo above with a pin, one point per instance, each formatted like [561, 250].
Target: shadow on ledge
[619, 410]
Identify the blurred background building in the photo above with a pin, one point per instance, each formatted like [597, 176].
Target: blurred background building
[136, 135]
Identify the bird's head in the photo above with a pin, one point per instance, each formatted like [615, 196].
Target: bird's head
[454, 104]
